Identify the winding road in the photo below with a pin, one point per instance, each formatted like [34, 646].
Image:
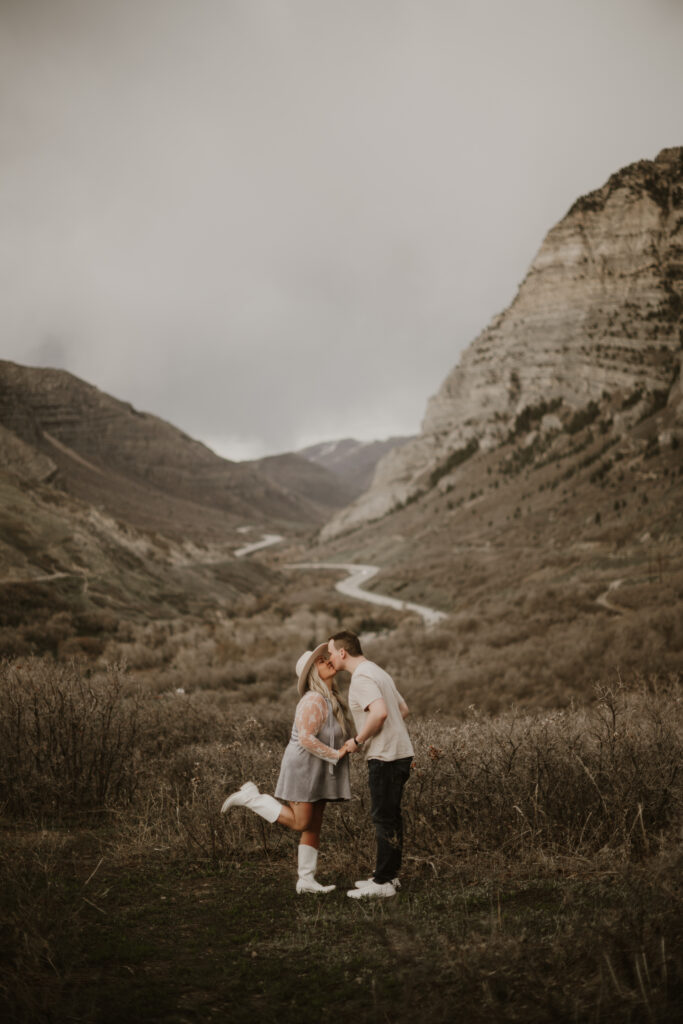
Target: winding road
[358, 576]
[265, 542]
[352, 586]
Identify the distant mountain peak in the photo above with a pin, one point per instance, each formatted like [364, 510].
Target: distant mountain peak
[352, 460]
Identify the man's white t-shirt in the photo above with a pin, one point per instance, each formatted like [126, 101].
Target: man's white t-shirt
[370, 682]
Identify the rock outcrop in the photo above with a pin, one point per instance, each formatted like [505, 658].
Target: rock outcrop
[22, 460]
[600, 310]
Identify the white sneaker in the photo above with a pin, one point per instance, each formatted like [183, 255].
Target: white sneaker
[366, 881]
[373, 889]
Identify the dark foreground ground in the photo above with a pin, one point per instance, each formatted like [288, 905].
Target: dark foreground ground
[92, 939]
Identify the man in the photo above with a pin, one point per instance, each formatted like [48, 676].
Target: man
[378, 712]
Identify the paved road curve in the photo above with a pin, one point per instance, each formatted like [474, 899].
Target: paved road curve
[265, 542]
[358, 576]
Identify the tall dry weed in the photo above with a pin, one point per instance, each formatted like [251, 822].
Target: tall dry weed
[573, 782]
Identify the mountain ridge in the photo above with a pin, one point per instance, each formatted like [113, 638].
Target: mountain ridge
[134, 464]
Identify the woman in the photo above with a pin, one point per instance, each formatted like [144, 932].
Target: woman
[313, 769]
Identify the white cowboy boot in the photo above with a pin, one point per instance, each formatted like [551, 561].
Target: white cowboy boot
[248, 796]
[308, 861]
[241, 797]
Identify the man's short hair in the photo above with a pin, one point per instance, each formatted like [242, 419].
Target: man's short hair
[349, 642]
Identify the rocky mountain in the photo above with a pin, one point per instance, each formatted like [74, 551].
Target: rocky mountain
[23, 460]
[353, 462]
[598, 314]
[134, 466]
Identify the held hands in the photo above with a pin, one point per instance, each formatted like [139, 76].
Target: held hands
[348, 748]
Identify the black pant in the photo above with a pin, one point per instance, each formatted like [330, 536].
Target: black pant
[387, 779]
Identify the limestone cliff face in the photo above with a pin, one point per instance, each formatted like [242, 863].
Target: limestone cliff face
[600, 309]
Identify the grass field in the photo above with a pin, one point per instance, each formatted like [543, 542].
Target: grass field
[541, 878]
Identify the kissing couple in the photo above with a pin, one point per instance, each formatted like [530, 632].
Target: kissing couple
[315, 764]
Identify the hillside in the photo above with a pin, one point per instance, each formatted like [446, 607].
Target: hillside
[558, 555]
[107, 514]
[135, 466]
[542, 504]
[71, 575]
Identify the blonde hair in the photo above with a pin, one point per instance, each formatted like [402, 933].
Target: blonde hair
[331, 692]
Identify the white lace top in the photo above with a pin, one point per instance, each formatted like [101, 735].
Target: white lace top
[311, 713]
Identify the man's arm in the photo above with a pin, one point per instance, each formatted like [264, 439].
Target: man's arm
[403, 708]
[377, 715]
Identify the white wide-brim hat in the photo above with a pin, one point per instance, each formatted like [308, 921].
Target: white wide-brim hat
[303, 666]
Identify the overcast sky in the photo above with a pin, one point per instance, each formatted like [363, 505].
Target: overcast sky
[275, 222]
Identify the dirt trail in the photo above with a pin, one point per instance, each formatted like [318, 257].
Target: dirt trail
[40, 579]
[603, 599]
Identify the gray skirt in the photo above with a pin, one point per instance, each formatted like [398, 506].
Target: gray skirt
[305, 777]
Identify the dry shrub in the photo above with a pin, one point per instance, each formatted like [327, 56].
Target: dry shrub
[13, 644]
[138, 655]
[177, 806]
[545, 663]
[68, 742]
[79, 646]
[602, 781]
[572, 782]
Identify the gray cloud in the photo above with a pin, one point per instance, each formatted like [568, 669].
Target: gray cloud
[225, 212]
